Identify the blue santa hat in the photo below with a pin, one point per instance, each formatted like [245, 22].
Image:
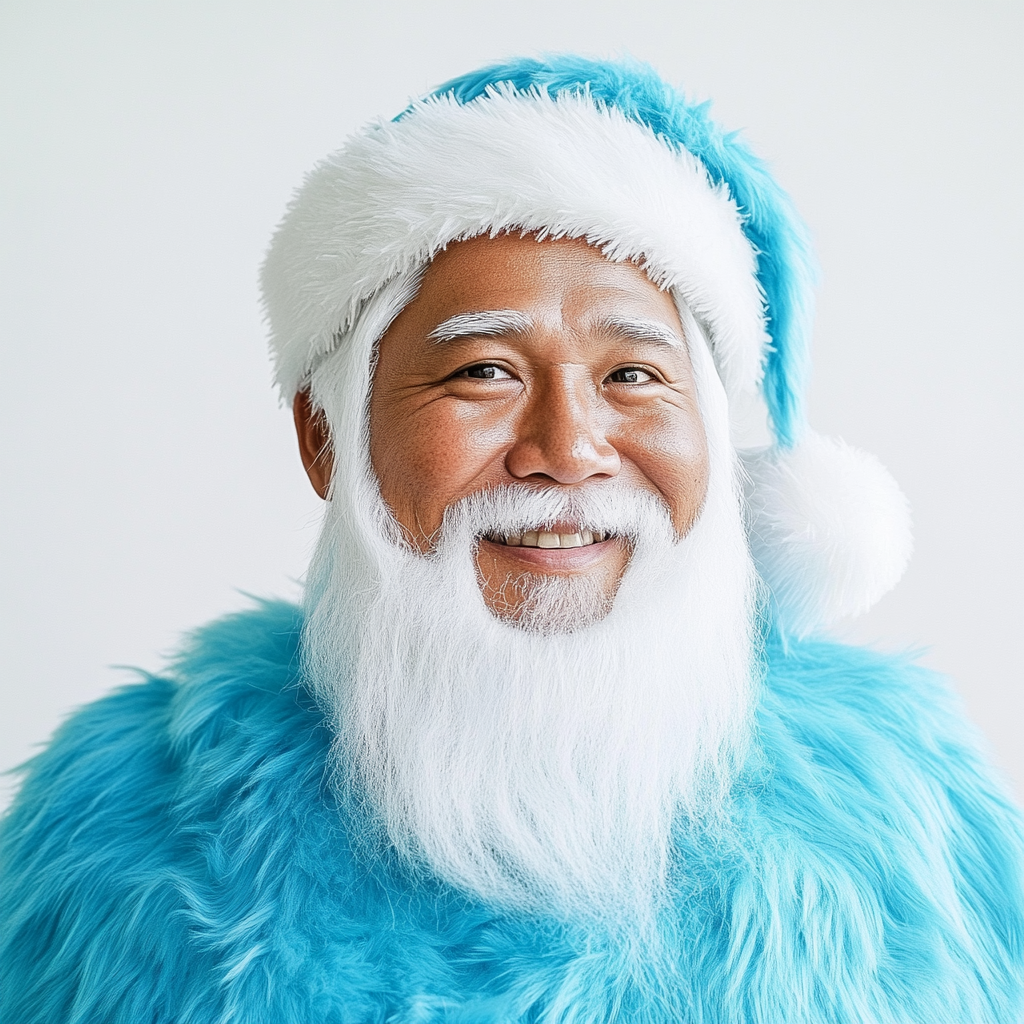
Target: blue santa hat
[607, 151]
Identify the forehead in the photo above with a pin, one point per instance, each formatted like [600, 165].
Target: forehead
[564, 279]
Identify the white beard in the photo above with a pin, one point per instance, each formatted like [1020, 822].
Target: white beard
[540, 768]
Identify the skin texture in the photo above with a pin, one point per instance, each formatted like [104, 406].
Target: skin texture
[569, 399]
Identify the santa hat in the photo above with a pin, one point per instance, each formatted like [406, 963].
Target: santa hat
[608, 152]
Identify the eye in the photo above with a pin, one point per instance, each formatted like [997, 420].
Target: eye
[484, 371]
[630, 375]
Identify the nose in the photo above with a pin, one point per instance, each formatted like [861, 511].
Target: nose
[560, 435]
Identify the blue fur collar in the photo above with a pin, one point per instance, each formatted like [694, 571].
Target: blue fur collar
[176, 855]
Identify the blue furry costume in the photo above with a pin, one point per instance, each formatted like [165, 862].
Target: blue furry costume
[178, 854]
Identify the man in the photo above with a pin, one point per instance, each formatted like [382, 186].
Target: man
[552, 738]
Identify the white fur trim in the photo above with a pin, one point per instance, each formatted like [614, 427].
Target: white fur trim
[829, 530]
[399, 192]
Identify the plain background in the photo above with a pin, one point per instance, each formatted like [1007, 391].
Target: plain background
[149, 479]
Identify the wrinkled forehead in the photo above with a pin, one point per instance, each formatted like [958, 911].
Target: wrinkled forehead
[514, 259]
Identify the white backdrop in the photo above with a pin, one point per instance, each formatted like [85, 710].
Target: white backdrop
[149, 480]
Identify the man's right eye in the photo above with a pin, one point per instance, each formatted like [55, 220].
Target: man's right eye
[485, 371]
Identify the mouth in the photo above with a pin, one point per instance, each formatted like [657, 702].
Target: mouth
[549, 539]
[563, 549]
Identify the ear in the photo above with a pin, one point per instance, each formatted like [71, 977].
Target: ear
[314, 443]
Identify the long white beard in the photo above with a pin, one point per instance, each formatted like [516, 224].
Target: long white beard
[526, 767]
[539, 768]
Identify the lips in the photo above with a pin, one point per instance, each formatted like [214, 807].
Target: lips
[546, 539]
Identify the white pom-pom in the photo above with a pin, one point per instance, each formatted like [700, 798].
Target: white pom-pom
[829, 530]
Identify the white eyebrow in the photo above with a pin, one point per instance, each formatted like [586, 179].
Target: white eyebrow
[485, 323]
[641, 329]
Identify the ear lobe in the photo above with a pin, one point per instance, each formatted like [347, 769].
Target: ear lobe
[314, 443]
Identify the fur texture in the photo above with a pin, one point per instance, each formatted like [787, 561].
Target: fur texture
[829, 530]
[176, 855]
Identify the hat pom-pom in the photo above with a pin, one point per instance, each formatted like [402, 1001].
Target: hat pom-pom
[829, 530]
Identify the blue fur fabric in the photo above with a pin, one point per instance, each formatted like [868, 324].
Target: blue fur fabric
[177, 855]
[785, 268]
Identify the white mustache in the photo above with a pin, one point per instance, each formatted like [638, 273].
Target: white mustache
[607, 508]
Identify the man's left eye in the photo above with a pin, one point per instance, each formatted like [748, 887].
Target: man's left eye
[630, 375]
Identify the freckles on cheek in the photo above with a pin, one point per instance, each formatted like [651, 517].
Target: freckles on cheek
[457, 445]
[437, 459]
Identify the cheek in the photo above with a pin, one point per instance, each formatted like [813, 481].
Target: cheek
[670, 450]
[426, 458]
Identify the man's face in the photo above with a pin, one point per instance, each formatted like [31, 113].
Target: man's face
[538, 363]
[541, 363]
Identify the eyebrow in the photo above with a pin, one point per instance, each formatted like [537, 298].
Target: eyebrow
[641, 329]
[485, 323]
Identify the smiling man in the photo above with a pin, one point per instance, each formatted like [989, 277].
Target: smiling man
[536, 362]
[556, 735]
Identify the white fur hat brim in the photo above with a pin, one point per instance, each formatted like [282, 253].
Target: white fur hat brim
[398, 192]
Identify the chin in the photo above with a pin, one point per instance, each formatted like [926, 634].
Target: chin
[551, 589]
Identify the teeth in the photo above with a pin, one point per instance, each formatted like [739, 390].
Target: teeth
[547, 539]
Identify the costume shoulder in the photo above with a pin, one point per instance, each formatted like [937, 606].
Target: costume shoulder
[128, 841]
[882, 824]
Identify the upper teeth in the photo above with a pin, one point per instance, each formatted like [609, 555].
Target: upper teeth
[544, 539]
